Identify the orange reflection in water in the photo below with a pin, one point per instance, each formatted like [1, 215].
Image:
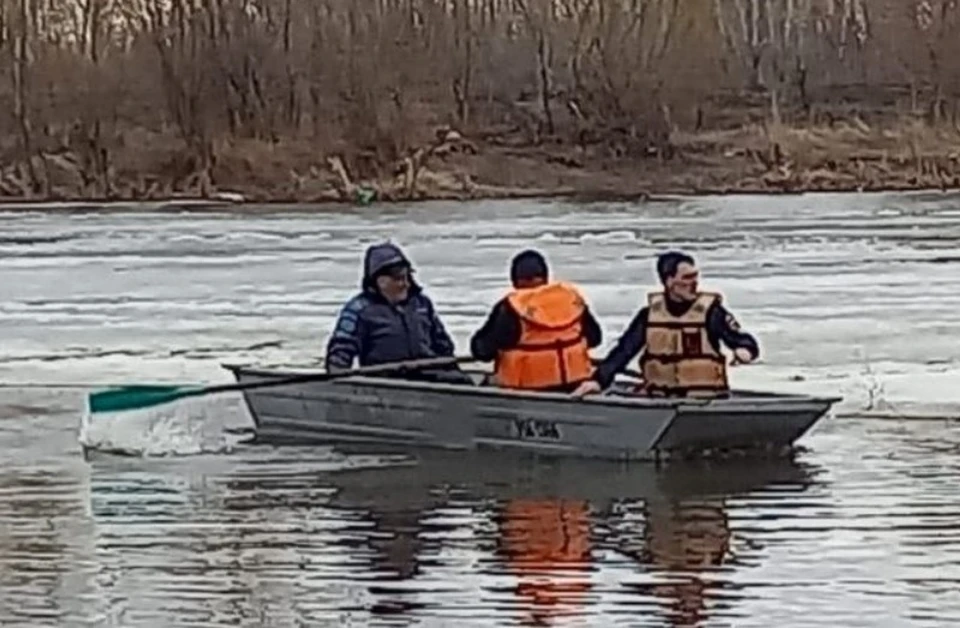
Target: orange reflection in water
[546, 544]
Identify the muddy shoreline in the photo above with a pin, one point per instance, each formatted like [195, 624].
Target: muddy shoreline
[260, 204]
[213, 205]
[257, 205]
[844, 157]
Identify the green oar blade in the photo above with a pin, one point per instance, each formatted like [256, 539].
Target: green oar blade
[136, 397]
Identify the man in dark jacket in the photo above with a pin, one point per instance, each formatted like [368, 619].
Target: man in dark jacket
[544, 347]
[390, 320]
[679, 334]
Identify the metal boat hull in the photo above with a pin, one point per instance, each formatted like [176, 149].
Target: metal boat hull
[392, 412]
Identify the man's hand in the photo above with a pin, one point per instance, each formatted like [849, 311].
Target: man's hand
[741, 356]
[589, 387]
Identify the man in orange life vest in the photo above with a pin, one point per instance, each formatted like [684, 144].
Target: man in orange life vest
[538, 336]
[680, 332]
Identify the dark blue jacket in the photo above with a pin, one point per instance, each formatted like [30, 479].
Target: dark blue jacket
[373, 331]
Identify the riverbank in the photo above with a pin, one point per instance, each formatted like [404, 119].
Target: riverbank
[767, 159]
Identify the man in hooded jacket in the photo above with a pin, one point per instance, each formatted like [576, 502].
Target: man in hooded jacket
[390, 320]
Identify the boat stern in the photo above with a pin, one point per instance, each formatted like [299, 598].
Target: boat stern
[743, 422]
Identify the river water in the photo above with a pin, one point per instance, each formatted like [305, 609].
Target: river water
[853, 295]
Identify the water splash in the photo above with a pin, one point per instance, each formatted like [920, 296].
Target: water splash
[190, 426]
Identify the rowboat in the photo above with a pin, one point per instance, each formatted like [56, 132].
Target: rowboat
[362, 411]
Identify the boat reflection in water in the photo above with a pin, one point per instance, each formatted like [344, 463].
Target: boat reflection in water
[567, 534]
[306, 536]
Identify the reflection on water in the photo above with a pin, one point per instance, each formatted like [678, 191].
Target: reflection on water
[546, 544]
[861, 530]
[683, 538]
[42, 510]
[532, 537]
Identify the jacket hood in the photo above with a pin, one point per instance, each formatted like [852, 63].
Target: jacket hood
[380, 256]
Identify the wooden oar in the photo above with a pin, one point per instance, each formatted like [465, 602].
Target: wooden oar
[143, 396]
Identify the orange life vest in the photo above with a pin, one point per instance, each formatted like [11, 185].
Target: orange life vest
[678, 358]
[552, 350]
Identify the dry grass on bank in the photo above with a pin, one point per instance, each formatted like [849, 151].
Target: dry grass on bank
[848, 155]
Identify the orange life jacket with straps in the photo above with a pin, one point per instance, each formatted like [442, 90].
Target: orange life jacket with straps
[552, 350]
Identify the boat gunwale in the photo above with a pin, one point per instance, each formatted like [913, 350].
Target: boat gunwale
[762, 398]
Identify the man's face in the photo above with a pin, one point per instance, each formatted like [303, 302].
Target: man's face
[684, 284]
[394, 284]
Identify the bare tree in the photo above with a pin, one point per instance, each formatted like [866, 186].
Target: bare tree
[936, 24]
[266, 83]
[20, 57]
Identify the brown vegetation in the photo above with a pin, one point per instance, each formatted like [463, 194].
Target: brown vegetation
[320, 99]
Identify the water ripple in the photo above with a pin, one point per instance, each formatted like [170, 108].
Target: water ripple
[847, 293]
[310, 537]
[829, 282]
